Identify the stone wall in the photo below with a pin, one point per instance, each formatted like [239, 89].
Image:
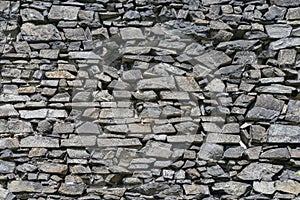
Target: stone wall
[149, 99]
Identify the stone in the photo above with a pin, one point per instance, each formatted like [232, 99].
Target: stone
[9, 143]
[84, 55]
[53, 168]
[286, 3]
[284, 43]
[288, 186]
[39, 141]
[131, 15]
[264, 187]
[234, 152]
[102, 142]
[25, 186]
[215, 85]
[115, 113]
[49, 53]
[278, 133]
[58, 12]
[293, 13]
[276, 89]
[210, 151]
[238, 45]
[75, 34]
[293, 112]
[187, 84]
[287, 57]
[213, 59]
[71, 188]
[266, 107]
[276, 154]
[79, 141]
[33, 15]
[259, 171]
[157, 149]
[22, 47]
[8, 110]
[275, 13]
[220, 138]
[7, 167]
[196, 189]
[132, 34]
[157, 83]
[244, 58]
[232, 187]
[278, 30]
[33, 114]
[258, 134]
[132, 75]
[31, 32]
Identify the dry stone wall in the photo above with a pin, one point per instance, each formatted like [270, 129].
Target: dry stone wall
[149, 99]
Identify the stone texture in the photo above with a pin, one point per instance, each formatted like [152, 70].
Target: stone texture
[33, 32]
[63, 13]
[278, 133]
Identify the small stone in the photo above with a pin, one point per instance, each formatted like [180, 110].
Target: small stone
[71, 188]
[63, 13]
[7, 167]
[196, 189]
[278, 30]
[244, 58]
[118, 142]
[258, 134]
[232, 187]
[33, 32]
[39, 141]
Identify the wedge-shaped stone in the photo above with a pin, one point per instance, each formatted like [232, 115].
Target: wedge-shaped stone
[31, 32]
[278, 133]
[39, 141]
[259, 171]
[63, 13]
[157, 84]
[103, 142]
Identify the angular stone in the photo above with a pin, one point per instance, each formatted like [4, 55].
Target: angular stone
[63, 12]
[278, 30]
[275, 13]
[276, 89]
[25, 186]
[284, 43]
[157, 83]
[8, 110]
[79, 141]
[31, 32]
[293, 14]
[139, 128]
[210, 151]
[59, 75]
[234, 152]
[196, 189]
[264, 187]
[7, 167]
[238, 45]
[49, 53]
[276, 154]
[132, 34]
[266, 107]
[71, 188]
[9, 143]
[88, 128]
[33, 114]
[216, 85]
[258, 134]
[102, 142]
[286, 3]
[39, 141]
[185, 139]
[75, 34]
[278, 133]
[288, 186]
[22, 47]
[29, 14]
[245, 57]
[53, 168]
[187, 84]
[259, 171]
[293, 112]
[115, 113]
[232, 187]
[157, 149]
[220, 138]
[213, 59]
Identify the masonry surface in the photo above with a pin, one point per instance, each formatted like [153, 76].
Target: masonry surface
[149, 99]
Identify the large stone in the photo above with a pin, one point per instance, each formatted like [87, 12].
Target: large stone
[25, 186]
[293, 14]
[9, 143]
[8, 110]
[187, 84]
[39, 141]
[259, 171]
[157, 149]
[210, 151]
[276, 154]
[196, 189]
[63, 13]
[288, 186]
[293, 112]
[103, 142]
[286, 3]
[7, 167]
[71, 188]
[31, 32]
[213, 59]
[278, 133]
[232, 187]
[33, 114]
[157, 83]
[278, 30]
[284, 43]
[266, 107]
[79, 141]
[53, 168]
[132, 34]
[75, 34]
[29, 14]
[220, 138]
[264, 187]
[275, 13]
[238, 45]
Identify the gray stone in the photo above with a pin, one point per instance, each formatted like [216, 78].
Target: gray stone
[132, 34]
[286, 3]
[284, 43]
[131, 15]
[71, 188]
[115, 113]
[157, 149]
[75, 34]
[278, 30]
[22, 47]
[187, 84]
[39, 141]
[293, 13]
[213, 59]
[234, 152]
[245, 57]
[103, 142]
[259, 171]
[145, 95]
[238, 45]
[31, 32]
[266, 107]
[276, 154]
[49, 53]
[210, 151]
[29, 14]
[293, 112]
[196, 189]
[7, 167]
[276, 89]
[84, 55]
[287, 57]
[63, 12]
[53, 168]
[278, 133]
[288, 186]
[25, 186]
[258, 134]
[232, 187]
[275, 13]
[79, 141]
[220, 138]
[8, 110]
[157, 83]
[88, 128]
[215, 85]
[264, 187]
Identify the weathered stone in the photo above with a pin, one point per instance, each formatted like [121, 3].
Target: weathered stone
[213, 59]
[276, 89]
[286, 3]
[79, 141]
[278, 30]
[49, 53]
[157, 149]
[9, 143]
[234, 152]
[245, 57]
[278, 133]
[287, 57]
[259, 171]
[71, 188]
[53, 168]
[238, 45]
[216, 85]
[196, 189]
[132, 34]
[187, 84]
[288, 186]
[275, 13]
[293, 14]
[284, 43]
[232, 187]
[25, 186]
[258, 134]
[293, 112]
[264, 187]
[75, 34]
[33, 32]
[102, 142]
[210, 151]
[63, 12]
[157, 83]
[29, 14]
[84, 55]
[8, 110]
[115, 113]
[220, 138]
[7, 167]
[39, 141]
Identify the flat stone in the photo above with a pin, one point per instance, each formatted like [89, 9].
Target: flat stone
[232, 187]
[157, 149]
[8, 110]
[84, 55]
[7, 167]
[187, 84]
[234, 152]
[88, 128]
[284, 43]
[29, 14]
[276, 154]
[238, 45]
[276, 89]
[213, 59]
[139, 128]
[31, 32]
[49, 53]
[75, 34]
[258, 134]
[9, 143]
[288, 186]
[33, 114]
[59, 75]
[24, 186]
[278, 30]
[275, 13]
[286, 3]
[177, 95]
[287, 57]
[220, 138]
[102, 142]
[264, 187]
[259, 171]
[293, 112]
[245, 57]
[39, 141]
[71, 188]
[278, 133]
[53, 168]
[215, 85]
[293, 13]
[157, 83]
[22, 47]
[266, 107]
[210, 151]
[196, 189]
[115, 113]
[132, 34]
[79, 141]
[63, 13]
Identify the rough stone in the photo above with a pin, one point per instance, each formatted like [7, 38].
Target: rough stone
[7, 167]
[293, 112]
[39, 141]
[232, 187]
[33, 32]
[278, 30]
[63, 13]
[8, 110]
[278, 133]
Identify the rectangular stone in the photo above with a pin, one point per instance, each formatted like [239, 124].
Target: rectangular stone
[39, 141]
[278, 133]
[8, 110]
[63, 12]
[79, 141]
[187, 84]
[119, 142]
[33, 114]
[139, 128]
[185, 138]
[171, 95]
[220, 138]
[116, 113]
[157, 83]
[25, 186]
